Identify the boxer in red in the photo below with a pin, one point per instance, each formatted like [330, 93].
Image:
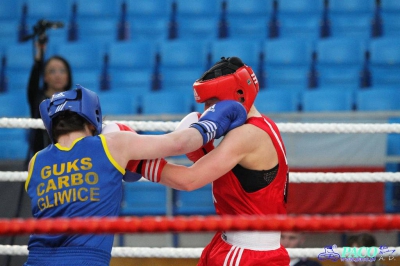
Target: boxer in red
[248, 169]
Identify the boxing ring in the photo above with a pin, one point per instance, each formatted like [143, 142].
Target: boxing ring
[176, 224]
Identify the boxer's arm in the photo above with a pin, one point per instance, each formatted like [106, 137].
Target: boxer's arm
[216, 121]
[230, 151]
[126, 146]
[194, 156]
[237, 147]
[185, 123]
[130, 170]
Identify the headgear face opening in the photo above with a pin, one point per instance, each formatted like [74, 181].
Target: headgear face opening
[228, 79]
[82, 101]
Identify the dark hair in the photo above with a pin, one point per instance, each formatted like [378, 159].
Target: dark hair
[223, 67]
[362, 240]
[67, 66]
[67, 122]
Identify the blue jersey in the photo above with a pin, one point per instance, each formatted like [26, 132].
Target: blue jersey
[80, 181]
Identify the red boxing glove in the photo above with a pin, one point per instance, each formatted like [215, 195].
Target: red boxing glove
[151, 169]
[113, 127]
[131, 175]
[133, 165]
[194, 156]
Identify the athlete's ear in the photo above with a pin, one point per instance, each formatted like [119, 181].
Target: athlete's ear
[91, 128]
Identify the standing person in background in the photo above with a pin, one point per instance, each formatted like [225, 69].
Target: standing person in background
[248, 170]
[55, 76]
[296, 240]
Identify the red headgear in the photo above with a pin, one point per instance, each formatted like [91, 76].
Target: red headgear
[239, 84]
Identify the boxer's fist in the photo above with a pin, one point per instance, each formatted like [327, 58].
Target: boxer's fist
[220, 118]
[131, 174]
[151, 169]
[113, 127]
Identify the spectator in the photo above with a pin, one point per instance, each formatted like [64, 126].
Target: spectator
[361, 240]
[56, 76]
[296, 240]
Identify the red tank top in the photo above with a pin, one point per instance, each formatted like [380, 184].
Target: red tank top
[231, 199]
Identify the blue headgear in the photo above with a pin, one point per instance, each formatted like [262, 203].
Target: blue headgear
[82, 101]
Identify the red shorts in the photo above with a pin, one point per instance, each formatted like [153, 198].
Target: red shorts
[220, 253]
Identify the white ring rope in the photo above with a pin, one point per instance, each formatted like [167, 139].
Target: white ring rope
[189, 253]
[344, 177]
[140, 252]
[360, 177]
[283, 127]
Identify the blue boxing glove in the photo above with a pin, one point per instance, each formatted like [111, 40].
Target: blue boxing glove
[220, 118]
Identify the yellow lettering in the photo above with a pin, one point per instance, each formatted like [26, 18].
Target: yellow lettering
[76, 179]
[94, 191]
[63, 182]
[72, 165]
[86, 163]
[60, 171]
[51, 185]
[67, 196]
[80, 197]
[94, 180]
[39, 189]
[63, 196]
[48, 205]
[45, 172]
[40, 203]
[55, 199]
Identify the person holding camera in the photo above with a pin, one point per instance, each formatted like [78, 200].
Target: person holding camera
[46, 78]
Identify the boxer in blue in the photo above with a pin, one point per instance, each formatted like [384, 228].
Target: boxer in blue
[80, 174]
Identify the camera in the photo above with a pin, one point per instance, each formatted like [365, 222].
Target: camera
[39, 29]
[43, 24]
